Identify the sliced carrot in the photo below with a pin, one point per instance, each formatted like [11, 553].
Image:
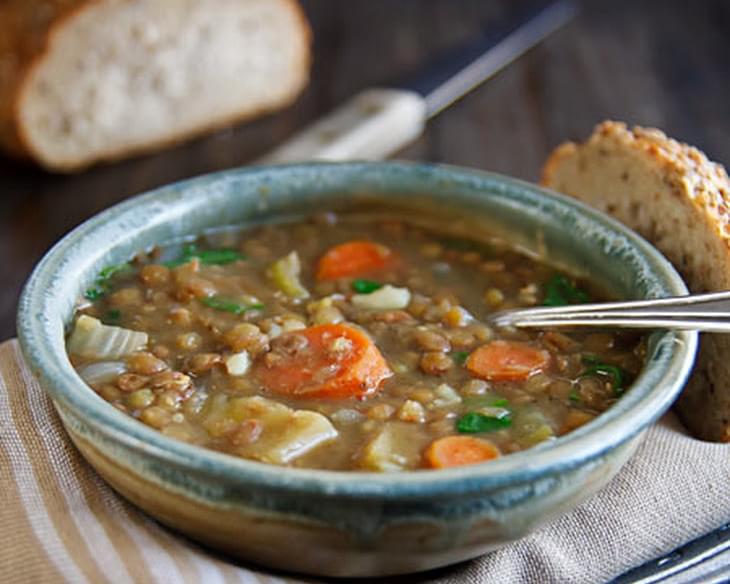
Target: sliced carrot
[336, 361]
[458, 451]
[507, 361]
[353, 258]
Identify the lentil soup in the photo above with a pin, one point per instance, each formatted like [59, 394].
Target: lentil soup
[353, 341]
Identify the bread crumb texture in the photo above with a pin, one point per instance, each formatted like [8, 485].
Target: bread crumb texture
[679, 200]
[89, 80]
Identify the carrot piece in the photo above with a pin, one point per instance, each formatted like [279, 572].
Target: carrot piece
[458, 451]
[353, 258]
[337, 361]
[507, 361]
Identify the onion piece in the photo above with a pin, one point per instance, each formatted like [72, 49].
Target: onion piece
[285, 434]
[94, 340]
[238, 364]
[396, 447]
[445, 396]
[386, 298]
[102, 372]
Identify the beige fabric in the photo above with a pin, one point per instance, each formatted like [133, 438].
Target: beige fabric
[60, 522]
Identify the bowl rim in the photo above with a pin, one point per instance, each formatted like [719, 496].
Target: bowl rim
[651, 394]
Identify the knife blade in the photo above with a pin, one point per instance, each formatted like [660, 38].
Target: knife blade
[378, 122]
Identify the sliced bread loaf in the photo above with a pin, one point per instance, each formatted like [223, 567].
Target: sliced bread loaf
[680, 201]
[89, 80]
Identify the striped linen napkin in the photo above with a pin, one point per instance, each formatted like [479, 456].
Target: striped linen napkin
[61, 523]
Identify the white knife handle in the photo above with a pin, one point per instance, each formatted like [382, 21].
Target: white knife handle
[371, 125]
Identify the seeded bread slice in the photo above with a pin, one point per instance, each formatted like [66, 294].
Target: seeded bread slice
[89, 80]
[680, 201]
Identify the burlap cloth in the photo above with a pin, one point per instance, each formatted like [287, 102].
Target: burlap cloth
[60, 522]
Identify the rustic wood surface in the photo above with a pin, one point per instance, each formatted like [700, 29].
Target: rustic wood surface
[658, 63]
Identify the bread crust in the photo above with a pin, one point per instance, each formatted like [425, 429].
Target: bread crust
[703, 182]
[26, 35]
[24, 28]
[685, 181]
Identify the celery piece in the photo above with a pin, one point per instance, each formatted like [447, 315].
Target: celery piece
[284, 272]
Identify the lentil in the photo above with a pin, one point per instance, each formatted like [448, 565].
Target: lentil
[154, 275]
[131, 382]
[156, 417]
[431, 341]
[188, 341]
[436, 363]
[145, 363]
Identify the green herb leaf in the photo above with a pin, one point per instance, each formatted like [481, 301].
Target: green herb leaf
[573, 396]
[484, 401]
[559, 291]
[474, 422]
[594, 366]
[229, 305]
[110, 271]
[188, 252]
[460, 356]
[112, 316]
[94, 293]
[102, 284]
[365, 286]
[219, 257]
[209, 257]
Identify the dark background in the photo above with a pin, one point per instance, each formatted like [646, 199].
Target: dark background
[658, 63]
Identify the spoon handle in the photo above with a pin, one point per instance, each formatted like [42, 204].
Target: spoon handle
[702, 312]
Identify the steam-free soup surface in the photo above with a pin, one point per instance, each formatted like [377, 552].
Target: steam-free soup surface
[352, 342]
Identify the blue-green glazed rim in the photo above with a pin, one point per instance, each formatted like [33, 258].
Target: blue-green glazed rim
[177, 210]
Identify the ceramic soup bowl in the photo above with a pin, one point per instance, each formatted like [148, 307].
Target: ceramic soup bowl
[351, 523]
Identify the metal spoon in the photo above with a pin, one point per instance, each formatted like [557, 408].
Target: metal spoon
[700, 312]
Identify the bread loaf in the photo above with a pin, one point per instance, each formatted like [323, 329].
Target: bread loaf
[89, 80]
[680, 201]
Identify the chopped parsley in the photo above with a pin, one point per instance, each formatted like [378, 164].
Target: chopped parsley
[94, 293]
[112, 316]
[595, 367]
[560, 291]
[475, 422]
[209, 257]
[365, 286]
[460, 356]
[102, 283]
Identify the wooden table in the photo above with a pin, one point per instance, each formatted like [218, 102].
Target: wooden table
[660, 63]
